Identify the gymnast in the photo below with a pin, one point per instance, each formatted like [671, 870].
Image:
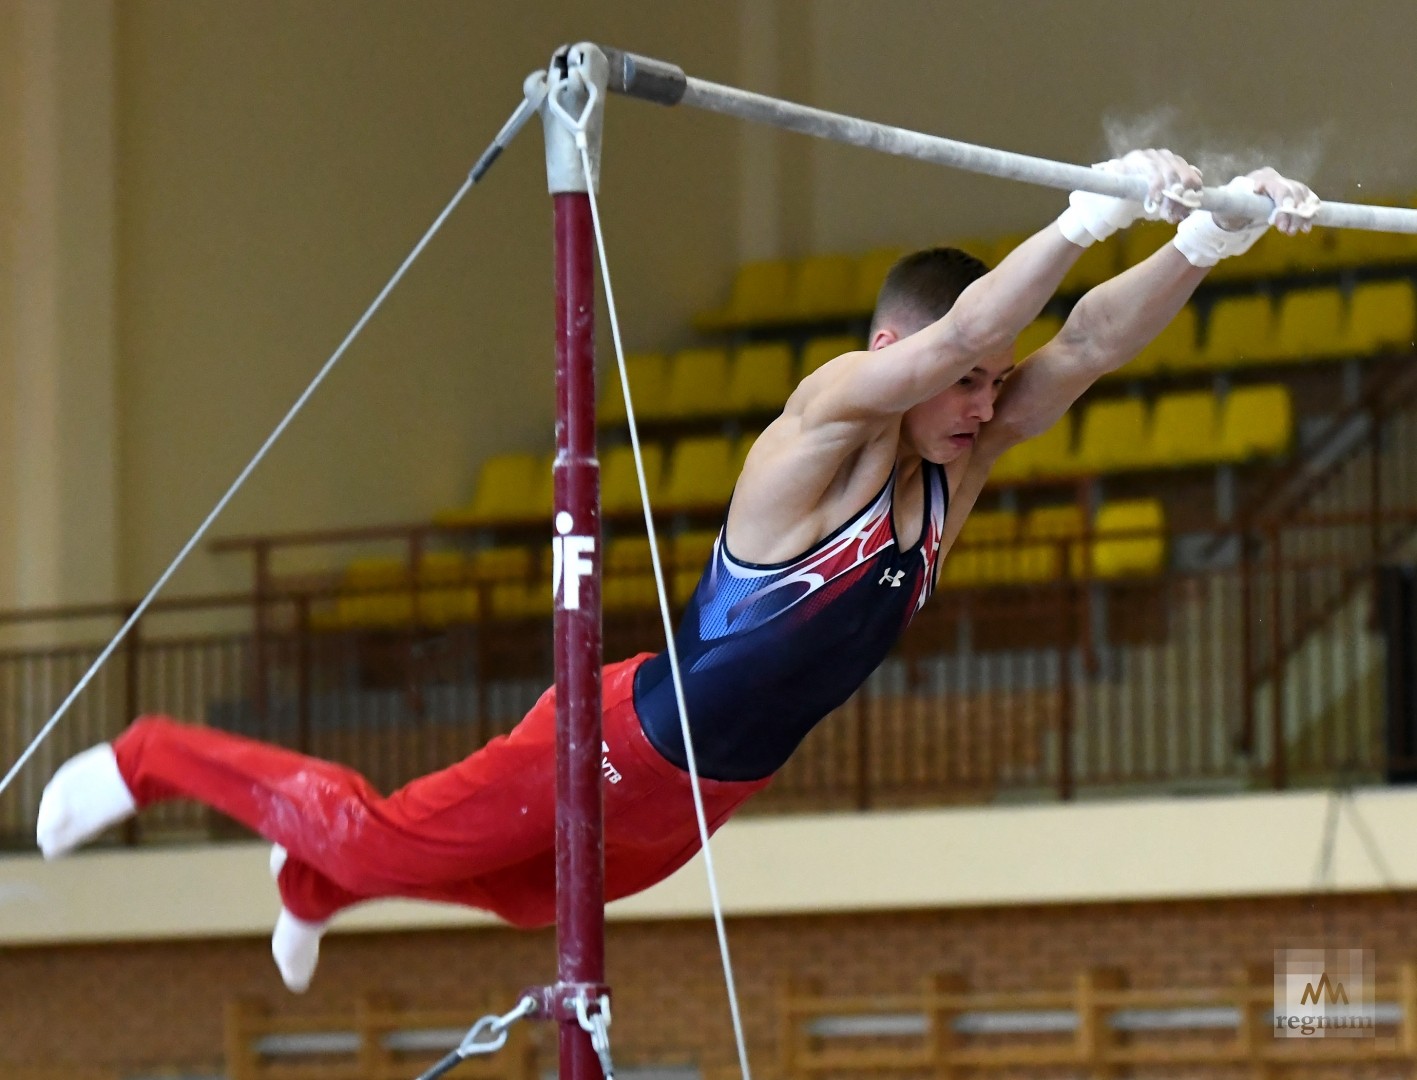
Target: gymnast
[838, 522]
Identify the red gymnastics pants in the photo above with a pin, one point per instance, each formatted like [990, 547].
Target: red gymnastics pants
[480, 833]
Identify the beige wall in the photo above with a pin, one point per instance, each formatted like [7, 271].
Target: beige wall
[280, 159]
[1322, 88]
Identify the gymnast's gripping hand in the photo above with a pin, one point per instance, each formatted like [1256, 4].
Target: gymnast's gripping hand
[1294, 204]
[1173, 191]
[1205, 238]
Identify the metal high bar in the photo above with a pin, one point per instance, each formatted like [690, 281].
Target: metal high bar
[667, 84]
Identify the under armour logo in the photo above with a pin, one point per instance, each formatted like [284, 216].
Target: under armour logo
[893, 579]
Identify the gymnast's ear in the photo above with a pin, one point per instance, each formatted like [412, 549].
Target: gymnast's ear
[881, 337]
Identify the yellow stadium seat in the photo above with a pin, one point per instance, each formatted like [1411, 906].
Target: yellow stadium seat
[1268, 258]
[1032, 563]
[1312, 252]
[377, 594]
[649, 389]
[995, 252]
[700, 474]
[508, 486]
[1360, 247]
[1014, 465]
[1143, 240]
[1129, 555]
[502, 564]
[448, 593]
[1256, 421]
[1096, 264]
[1185, 430]
[690, 553]
[1240, 331]
[1174, 349]
[545, 498]
[760, 295]
[629, 575]
[619, 483]
[987, 538]
[1052, 453]
[1113, 436]
[698, 383]
[1035, 335]
[823, 287]
[761, 378]
[1382, 316]
[1046, 531]
[822, 350]
[871, 270]
[1062, 522]
[1311, 326]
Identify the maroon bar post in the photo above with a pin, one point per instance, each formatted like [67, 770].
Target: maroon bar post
[580, 852]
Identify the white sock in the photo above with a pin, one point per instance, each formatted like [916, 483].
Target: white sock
[295, 944]
[85, 796]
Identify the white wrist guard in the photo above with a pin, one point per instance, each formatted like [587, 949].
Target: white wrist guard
[1091, 217]
[1204, 243]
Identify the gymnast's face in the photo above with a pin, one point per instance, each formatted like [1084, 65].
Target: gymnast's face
[946, 426]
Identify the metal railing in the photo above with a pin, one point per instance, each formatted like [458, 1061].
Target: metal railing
[1263, 667]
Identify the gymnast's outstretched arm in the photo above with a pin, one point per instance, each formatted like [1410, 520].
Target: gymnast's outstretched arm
[991, 312]
[1113, 322]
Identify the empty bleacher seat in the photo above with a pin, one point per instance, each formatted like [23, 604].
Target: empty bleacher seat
[1240, 331]
[1035, 335]
[1051, 529]
[700, 474]
[1142, 548]
[1256, 421]
[1185, 430]
[983, 554]
[1113, 436]
[1174, 349]
[822, 287]
[760, 379]
[1311, 325]
[823, 350]
[1048, 454]
[760, 295]
[629, 575]
[1094, 266]
[1143, 240]
[508, 486]
[698, 383]
[648, 374]
[871, 270]
[1382, 316]
[619, 483]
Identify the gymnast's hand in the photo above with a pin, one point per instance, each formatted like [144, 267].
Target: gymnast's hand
[1173, 184]
[1294, 204]
[1173, 191]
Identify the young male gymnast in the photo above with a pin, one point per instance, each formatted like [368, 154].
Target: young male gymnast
[839, 520]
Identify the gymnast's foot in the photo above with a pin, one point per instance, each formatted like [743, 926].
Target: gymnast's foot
[295, 944]
[83, 798]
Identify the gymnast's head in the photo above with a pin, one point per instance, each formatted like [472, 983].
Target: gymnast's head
[919, 290]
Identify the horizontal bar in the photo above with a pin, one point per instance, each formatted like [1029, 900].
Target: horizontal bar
[664, 83]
